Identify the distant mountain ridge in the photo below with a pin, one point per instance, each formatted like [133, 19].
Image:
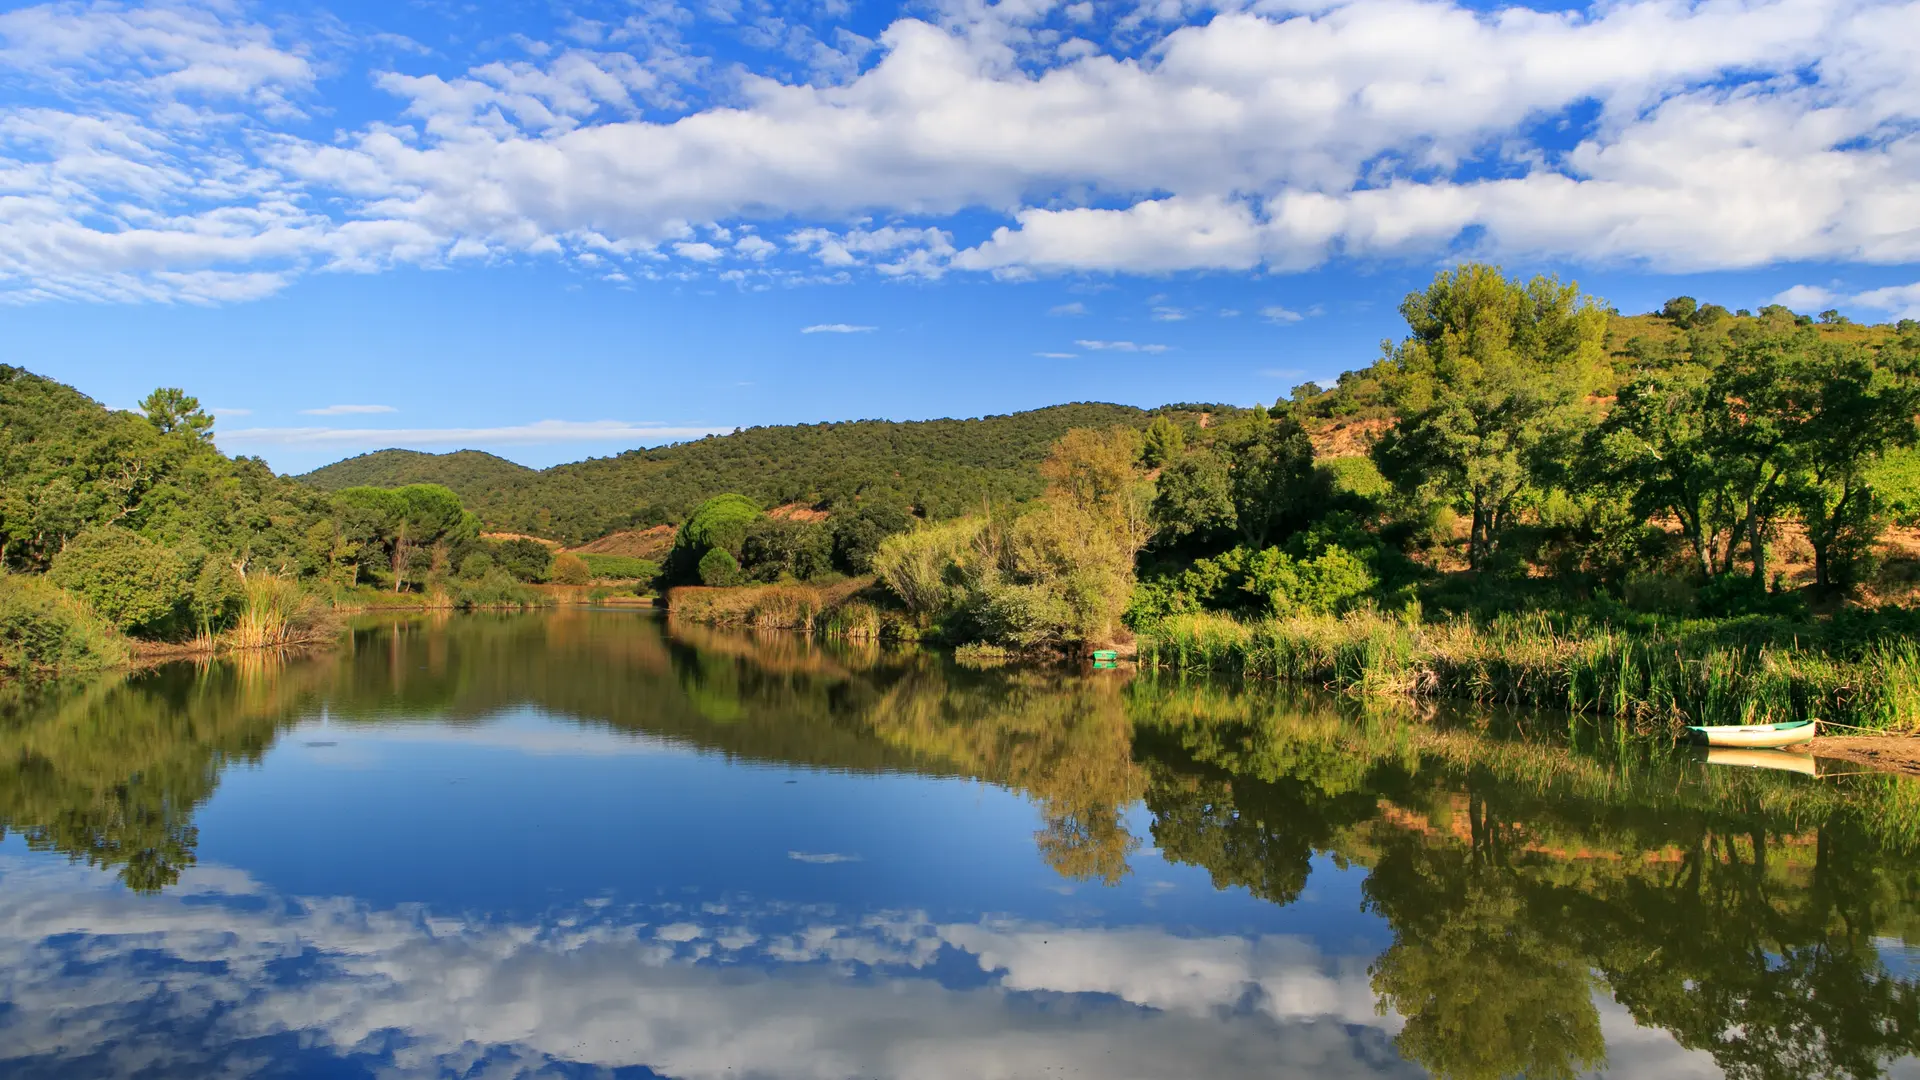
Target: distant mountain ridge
[944, 467]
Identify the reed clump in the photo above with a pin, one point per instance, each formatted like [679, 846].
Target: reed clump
[1651, 676]
[834, 610]
[276, 612]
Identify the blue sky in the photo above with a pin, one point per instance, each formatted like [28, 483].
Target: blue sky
[557, 230]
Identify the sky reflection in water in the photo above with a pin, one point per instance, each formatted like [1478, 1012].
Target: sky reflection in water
[585, 844]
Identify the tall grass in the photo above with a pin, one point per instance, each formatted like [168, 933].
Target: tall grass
[277, 612]
[1651, 677]
[829, 610]
[45, 630]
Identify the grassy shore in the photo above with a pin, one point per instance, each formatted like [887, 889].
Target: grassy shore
[843, 609]
[1655, 676]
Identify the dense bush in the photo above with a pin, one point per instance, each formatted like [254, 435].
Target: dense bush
[526, 560]
[134, 583]
[719, 569]
[775, 549]
[571, 569]
[857, 535]
[45, 631]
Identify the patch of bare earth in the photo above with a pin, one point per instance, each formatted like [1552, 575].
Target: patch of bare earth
[1347, 438]
[519, 536]
[797, 512]
[635, 543]
[1888, 753]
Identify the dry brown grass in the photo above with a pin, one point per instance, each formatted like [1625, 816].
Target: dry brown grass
[639, 543]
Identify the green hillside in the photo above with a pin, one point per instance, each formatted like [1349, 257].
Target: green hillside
[944, 467]
[462, 470]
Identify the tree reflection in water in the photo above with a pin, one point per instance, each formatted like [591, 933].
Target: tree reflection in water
[1521, 874]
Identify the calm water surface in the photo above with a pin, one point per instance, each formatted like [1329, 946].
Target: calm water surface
[590, 844]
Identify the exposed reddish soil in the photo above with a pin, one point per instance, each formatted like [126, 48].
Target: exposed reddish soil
[797, 512]
[1347, 438]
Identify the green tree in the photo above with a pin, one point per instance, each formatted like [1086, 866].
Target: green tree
[131, 581]
[1488, 385]
[1271, 480]
[780, 548]
[170, 409]
[720, 522]
[1193, 501]
[719, 569]
[1162, 443]
[1864, 406]
[857, 535]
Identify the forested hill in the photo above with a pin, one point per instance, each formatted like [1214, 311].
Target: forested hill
[463, 470]
[943, 467]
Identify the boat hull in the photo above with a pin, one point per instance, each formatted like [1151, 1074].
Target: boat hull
[1756, 736]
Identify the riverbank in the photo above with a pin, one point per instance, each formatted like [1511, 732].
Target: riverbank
[849, 608]
[1657, 678]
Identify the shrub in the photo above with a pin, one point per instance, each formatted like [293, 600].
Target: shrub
[476, 566]
[1356, 477]
[527, 560]
[571, 569]
[131, 581]
[1334, 581]
[923, 567]
[786, 549]
[718, 568]
[44, 631]
[1739, 594]
[497, 589]
[857, 536]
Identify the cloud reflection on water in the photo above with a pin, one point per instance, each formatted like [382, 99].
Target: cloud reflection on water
[220, 973]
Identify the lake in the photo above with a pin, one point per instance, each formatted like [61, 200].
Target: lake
[590, 843]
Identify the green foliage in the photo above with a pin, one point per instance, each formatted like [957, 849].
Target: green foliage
[1193, 501]
[68, 464]
[1488, 389]
[1058, 574]
[1334, 581]
[526, 560]
[45, 631]
[217, 595]
[571, 569]
[170, 410]
[1271, 480]
[928, 567]
[942, 468]
[1355, 478]
[720, 522]
[1162, 443]
[776, 549]
[620, 567]
[134, 583]
[857, 535]
[497, 588]
[719, 569]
